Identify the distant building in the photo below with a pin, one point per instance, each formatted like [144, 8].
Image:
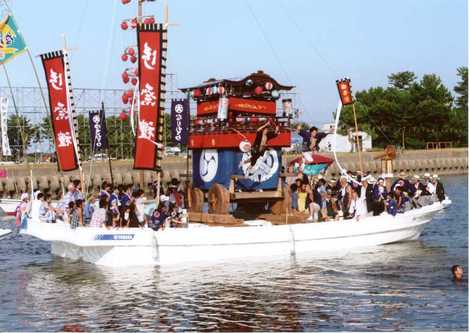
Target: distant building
[344, 143]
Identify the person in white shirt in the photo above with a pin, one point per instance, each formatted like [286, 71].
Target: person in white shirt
[357, 208]
[36, 205]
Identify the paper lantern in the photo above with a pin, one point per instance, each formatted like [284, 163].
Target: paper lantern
[344, 90]
[125, 98]
[275, 94]
[125, 77]
[208, 91]
[215, 90]
[134, 81]
[123, 115]
[124, 57]
[149, 20]
[249, 82]
[125, 2]
[258, 90]
[124, 25]
[221, 90]
[268, 85]
[133, 59]
[196, 92]
[287, 107]
[133, 23]
[131, 51]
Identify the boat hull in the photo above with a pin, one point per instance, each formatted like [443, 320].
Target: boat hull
[136, 247]
[9, 206]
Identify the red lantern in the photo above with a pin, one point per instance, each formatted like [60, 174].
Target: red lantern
[123, 115]
[196, 93]
[258, 90]
[208, 91]
[125, 77]
[136, 71]
[125, 98]
[134, 81]
[221, 90]
[149, 20]
[133, 23]
[133, 59]
[125, 2]
[124, 25]
[130, 51]
[124, 57]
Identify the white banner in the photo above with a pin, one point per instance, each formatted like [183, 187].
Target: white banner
[6, 151]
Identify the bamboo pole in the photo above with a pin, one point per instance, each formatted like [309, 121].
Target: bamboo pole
[357, 139]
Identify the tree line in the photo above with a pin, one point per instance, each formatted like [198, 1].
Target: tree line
[411, 112]
[22, 133]
[407, 113]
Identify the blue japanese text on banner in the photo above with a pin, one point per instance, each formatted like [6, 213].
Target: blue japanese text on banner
[98, 132]
[180, 121]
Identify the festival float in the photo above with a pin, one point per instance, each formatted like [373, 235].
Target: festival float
[228, 117]
[222, 139]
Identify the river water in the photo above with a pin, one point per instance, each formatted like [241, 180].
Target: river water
[405, 286]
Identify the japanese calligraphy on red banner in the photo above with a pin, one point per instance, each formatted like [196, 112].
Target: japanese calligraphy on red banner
[56, 77]
[151, 41]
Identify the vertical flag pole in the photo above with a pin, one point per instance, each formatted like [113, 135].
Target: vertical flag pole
[139, 21]
[357, 138]
[107, 151]
[188, 124]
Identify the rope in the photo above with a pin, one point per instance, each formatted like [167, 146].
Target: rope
[266, 39]
[82, 20]
[110, 45]
[330, 67]
[341, 169]
[273, 50]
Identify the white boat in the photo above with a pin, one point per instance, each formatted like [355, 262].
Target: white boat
[9, 205]
[173, 246]
[4, 232]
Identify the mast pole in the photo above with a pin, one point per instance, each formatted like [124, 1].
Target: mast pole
[107, 151]
[71, 106]
[139, 21]
[357, 138]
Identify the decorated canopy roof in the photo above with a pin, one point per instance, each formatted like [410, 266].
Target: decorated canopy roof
[258, 85]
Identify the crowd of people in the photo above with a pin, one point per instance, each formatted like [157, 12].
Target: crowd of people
[121, 206]
[357, 195]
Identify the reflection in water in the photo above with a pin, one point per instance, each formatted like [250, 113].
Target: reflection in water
[357, 292]
[406, 286]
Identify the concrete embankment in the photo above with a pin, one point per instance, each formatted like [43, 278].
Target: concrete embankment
[442, 162]
[45, 175]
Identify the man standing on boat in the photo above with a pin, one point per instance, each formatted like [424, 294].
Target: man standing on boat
[265, 133]
[440, 193]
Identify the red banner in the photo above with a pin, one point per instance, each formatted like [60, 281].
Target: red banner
[56, 78]
[207, 108]
[151, 41]
[252, 106]
[344, 90]
[238, 104]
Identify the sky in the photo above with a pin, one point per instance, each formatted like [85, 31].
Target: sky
[305, 43]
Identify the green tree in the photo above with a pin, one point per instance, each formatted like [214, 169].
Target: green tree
[461, 89]
[402, 80]
[408, 113]
[20, 134]
[120, 137]
[458, 122]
